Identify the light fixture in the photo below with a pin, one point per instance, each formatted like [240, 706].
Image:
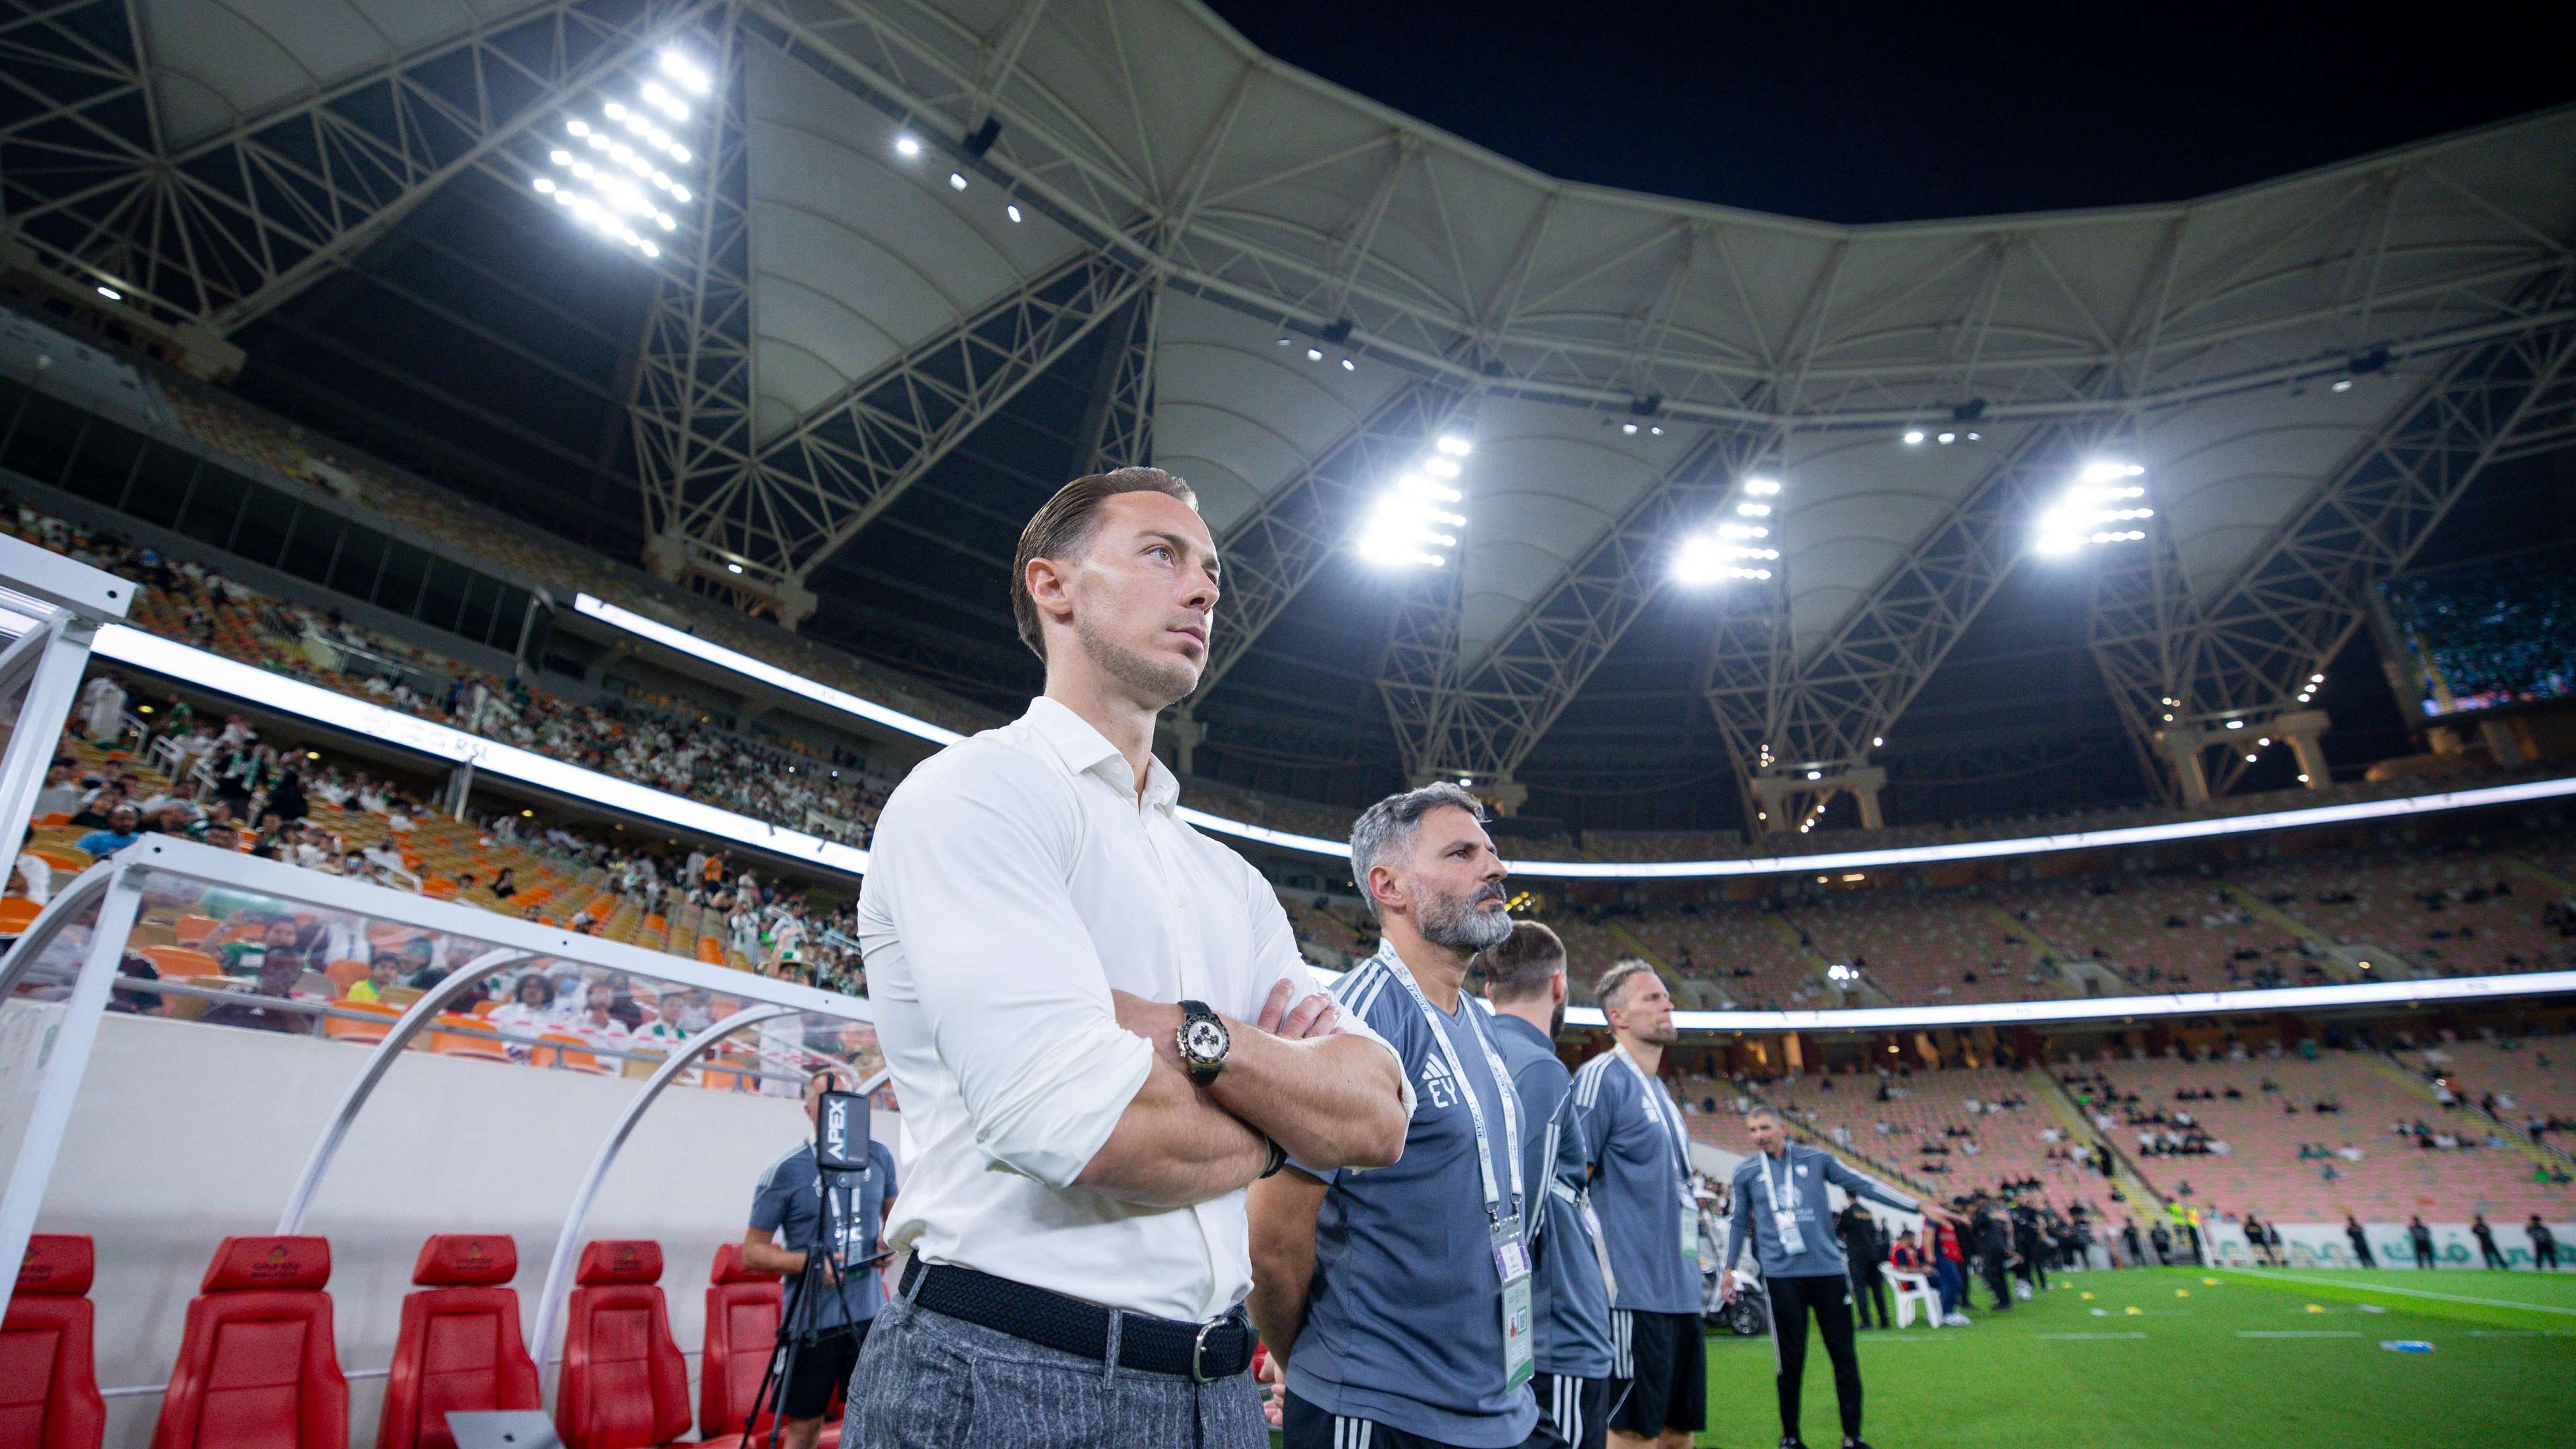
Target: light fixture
[733, 568]
[1415, 521]
[1466, 779]
[956, 180]
[679, 67]
[1815, 774]
[545, 187]
[2316, 679]
[1441, 466]
[1628, 428]
[1754, 510]
[2095, 498]
[1945, 437]
[1454, 445]
[2264, 743]
[906, 147]
[1706, 559]
[2236, 724]
[1349, 366]
[1877, 742]
[1012, 211]
[1314, 354]
[611, 186]
[2340, 384]
[2249, 759]
[1656, 428]
[1913, 437]
[1762, 487]
[2303, 780]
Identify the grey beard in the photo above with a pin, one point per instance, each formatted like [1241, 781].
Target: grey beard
[1157, 684]
[1556, 1022]
[1456, 923]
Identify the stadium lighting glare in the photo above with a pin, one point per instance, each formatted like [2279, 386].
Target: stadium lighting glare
[1013, 212]
[733, 568]
[1454, 445]
[1656, 429]
[1945, 438]
[2101, 494]
[1706, 559]
[2264, 743]
[1815, 774]
[616, 189]
[906, 147]
[1349, 366]
[1314, 354]
[1877, 742]
[1753, 510]
[687, 72]
[1466, 779]
[2316, 679]
[2340, 384]
[1762, 487]
[2249, 759]
[1440, 466]
[1416, 520]
[2236, 724]
[110, 293]
[956, 180]
[1628, 428]
[1913, 437]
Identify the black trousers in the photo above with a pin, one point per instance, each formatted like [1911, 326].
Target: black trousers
[2545, 1257]
[1829, 1298]
[2423, 1255]
[2361, 1249]
[1992, 1266]
[1869, 1292]
[2032, 1261]
[2494, 1259]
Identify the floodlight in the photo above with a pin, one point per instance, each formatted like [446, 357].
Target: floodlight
[1815, 774]
[1314, 354]
[1762, 486]
[1012, 211]
[1628, 428]
[1877, 741]
[1440, 466]
[1946, 437]
[733, 568]
[679, 153]
[2340, 384]
[2236, 724]
[1913, 436]
[956, 180]
[2316, 679]
[1656, 429]
[1349, 366]
[560, 157]
[577, 127]
[110, 293]
[1454, 445]
[1754, 510]
[906, 147]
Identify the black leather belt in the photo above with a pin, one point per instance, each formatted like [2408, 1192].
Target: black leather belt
[1204, 1352]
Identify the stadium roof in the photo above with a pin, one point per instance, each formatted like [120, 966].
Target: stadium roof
[856, 374]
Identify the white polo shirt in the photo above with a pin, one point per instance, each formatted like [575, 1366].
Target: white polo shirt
[1015, 880]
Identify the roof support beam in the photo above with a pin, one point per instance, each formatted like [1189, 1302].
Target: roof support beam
[1118, 428]
[219, 232]
[1480, 718]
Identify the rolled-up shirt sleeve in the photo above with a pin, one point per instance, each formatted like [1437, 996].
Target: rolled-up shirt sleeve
[975, 872]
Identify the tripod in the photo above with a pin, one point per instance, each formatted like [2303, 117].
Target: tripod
[838, 1178]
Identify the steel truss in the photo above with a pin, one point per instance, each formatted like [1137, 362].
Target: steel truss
[2299, 597]
[1118, 431]
[1480, 717]
[213, 232]
[2239, 295]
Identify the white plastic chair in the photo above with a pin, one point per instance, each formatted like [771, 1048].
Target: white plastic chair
[1912, 1290]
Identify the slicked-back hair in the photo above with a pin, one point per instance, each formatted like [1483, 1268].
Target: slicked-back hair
[1386, 828]
[1522, 964]
[1063, 524]
[1616, 979]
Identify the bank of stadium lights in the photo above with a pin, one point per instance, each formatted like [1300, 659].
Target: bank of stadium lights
[1732, 550]
[2095, 509]
[2309, 690]
[614, 172]
[1416, 522]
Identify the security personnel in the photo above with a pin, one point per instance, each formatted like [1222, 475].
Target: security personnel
[1398, 1301]
[1525, 980]
[1649, 1216]
[1866, 1256]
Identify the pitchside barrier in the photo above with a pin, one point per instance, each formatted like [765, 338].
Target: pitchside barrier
[273, 1104]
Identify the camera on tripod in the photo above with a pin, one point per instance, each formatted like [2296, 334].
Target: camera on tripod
[841, 1162]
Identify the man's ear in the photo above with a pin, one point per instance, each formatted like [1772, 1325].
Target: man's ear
[1383, 888]
[1047, 581]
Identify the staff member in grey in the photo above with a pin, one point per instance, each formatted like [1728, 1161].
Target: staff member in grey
[1101, 1030]
[1398, 1300]
[1780, 1204]
[1525, 980]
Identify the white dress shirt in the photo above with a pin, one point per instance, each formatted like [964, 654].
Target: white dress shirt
[1016, 879]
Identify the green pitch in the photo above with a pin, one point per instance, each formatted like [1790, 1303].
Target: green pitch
[2180, 1359]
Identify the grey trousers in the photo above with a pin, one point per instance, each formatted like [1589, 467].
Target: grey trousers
[928, 1381]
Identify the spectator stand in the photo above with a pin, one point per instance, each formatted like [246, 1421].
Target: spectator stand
[68, 960]
[53, 606]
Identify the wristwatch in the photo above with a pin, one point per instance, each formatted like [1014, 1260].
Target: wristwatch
[1203, 1042]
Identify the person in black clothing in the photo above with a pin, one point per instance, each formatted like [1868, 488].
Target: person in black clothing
[2026, 1245]
[286, 798]
[2486, 1241]
[2360, 1241]
[2129, 1240]
[2163, 1241]
[2544, 1245]
[2254, 1239]
[1994, 1247]
[1865, 1259]
[2422, 1237]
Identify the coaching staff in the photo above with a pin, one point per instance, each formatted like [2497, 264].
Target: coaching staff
[1525, 979]
[1780, 1205]
[788, 1205]
[1649, 1218]
[1100, 1028]
[1399, 1299]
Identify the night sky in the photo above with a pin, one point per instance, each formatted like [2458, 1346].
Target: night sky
[1871, 112]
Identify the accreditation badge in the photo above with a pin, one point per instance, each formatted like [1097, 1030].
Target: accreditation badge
[1512, 1263]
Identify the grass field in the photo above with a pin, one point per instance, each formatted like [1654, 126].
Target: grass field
[2180, 1359]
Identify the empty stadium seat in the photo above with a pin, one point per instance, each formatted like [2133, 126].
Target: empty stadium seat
[48, 1385]
[257, 1368]
[459, 1347]
[625, 1385]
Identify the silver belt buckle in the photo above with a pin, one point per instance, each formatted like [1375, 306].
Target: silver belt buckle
[1198, 1352]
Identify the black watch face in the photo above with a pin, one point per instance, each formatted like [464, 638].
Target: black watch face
[1203, 1039]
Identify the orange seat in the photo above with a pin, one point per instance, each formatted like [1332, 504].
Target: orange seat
[625, 1385]
[62, 857]
[459, 1347]
[257, 1367]
[345, 973]
[52, 818]
[49, 1395]
[711, 950]
[15, 913]
[180, 961]
[570, 1052]
[193, 929]
[375, 1029]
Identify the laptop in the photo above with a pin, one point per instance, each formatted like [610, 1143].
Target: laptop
[503, 1429]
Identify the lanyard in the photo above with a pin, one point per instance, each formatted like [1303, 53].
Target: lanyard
[1774, 1186]
[1665, 1112]
[1475, 1108]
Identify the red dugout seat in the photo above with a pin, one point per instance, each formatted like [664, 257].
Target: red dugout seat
[459, 1347]
[48, 1383]
[742, 1329]
[257, 1369]
[625, 1385]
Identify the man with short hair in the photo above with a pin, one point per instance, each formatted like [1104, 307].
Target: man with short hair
[1398, 1301]
[2544, 1245]
[1525, 980]
[1781, 1206]
[124, 827]
[786, 1224]
[1633, 1133]
[1035, 905]
[61, 794]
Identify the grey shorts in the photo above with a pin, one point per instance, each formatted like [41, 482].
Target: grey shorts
[928, 1381]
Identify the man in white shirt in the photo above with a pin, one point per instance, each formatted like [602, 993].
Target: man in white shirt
[1101, 1031]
